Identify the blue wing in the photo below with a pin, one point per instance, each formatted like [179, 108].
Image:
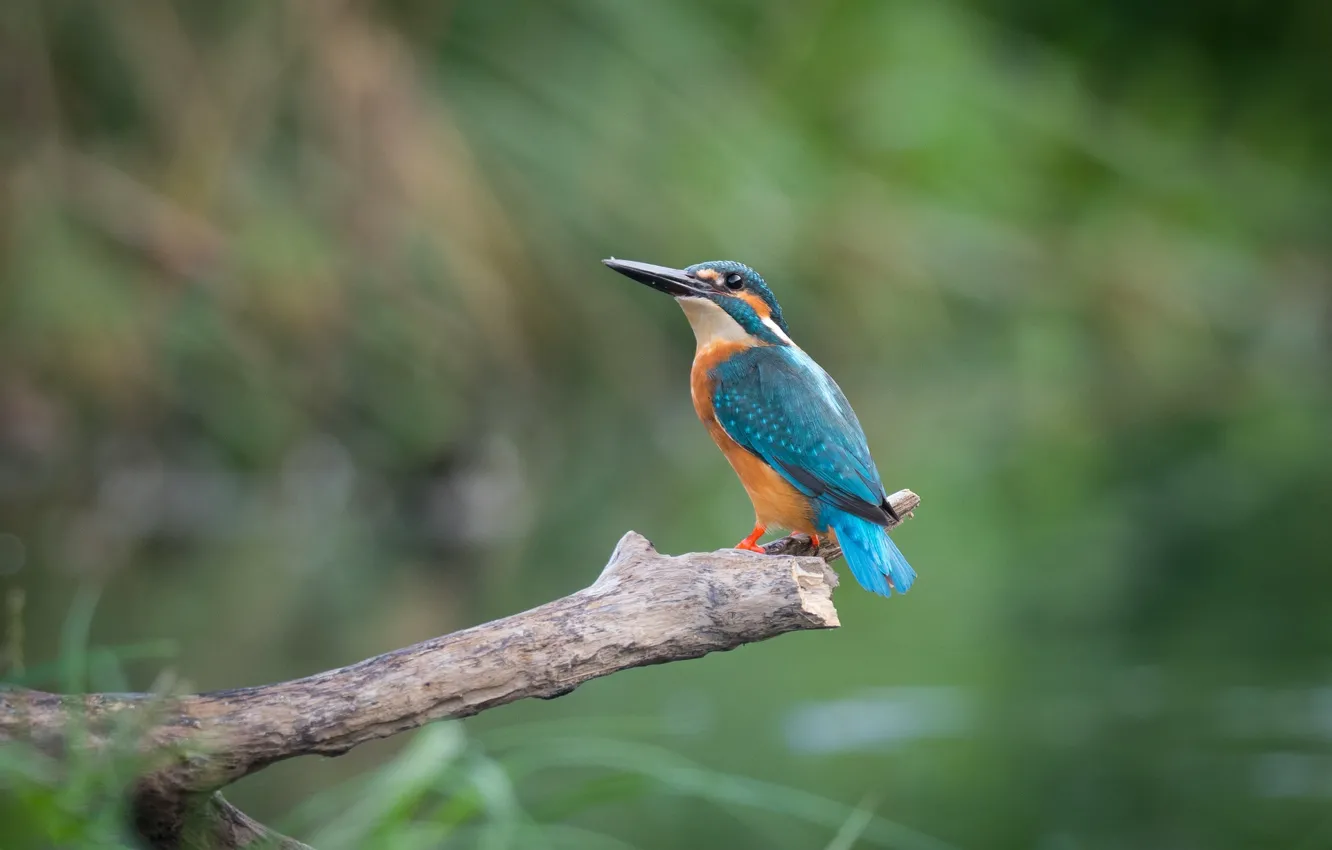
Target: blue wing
[777, 403]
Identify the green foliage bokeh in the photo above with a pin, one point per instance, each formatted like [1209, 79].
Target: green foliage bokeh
[306, 354]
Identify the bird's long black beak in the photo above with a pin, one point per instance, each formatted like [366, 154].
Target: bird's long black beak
[673, 282]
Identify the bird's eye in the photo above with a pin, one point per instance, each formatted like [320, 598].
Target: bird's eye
[734, 281]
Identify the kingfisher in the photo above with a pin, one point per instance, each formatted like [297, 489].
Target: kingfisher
[782, 422]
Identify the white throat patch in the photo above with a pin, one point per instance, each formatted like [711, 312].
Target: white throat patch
[711, 323]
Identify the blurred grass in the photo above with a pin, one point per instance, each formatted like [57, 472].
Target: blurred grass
[305, 354]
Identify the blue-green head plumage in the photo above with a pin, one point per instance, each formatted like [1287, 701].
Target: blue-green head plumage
[738, 277]
[734, 279]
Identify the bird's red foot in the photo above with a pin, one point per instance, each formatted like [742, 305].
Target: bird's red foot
[814, 541]
[751, 542]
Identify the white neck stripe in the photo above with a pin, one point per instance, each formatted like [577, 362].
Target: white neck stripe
[777, 330]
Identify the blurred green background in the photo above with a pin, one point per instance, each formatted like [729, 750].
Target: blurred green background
[306, 354]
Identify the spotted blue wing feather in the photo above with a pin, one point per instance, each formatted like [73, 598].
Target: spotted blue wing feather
[780, 405]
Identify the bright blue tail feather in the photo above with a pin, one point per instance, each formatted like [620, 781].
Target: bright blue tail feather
[872, 555]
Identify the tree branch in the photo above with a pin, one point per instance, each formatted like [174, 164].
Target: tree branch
[645, 608]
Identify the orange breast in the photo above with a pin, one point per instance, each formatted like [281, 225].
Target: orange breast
[776, 502]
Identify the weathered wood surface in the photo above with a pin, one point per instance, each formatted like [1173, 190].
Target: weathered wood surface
[645, 608]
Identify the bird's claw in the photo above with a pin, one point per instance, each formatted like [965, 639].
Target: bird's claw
[750, 543]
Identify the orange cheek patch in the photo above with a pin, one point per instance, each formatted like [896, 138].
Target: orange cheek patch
[760, 306]
[706, 274]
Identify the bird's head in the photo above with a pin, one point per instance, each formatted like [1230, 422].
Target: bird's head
[723, 299]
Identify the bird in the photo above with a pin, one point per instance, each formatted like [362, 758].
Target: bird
[780, 419]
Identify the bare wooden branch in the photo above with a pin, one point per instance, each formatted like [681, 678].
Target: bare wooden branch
[645, 608]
